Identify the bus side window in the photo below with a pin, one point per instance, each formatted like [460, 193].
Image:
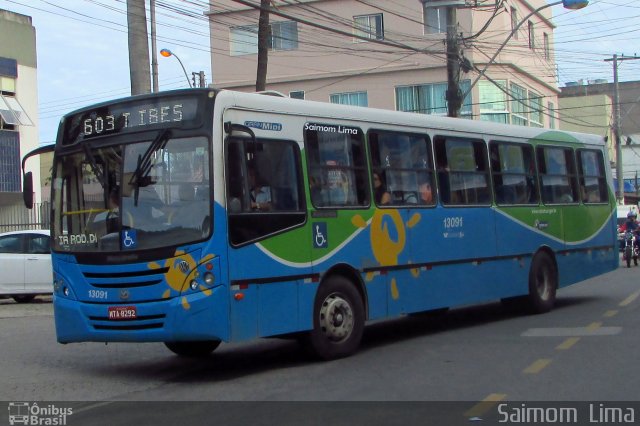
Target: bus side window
[593, 180]
[558, 177]
[403, 164]
[513, 166]
[463, 173]
[264, 191]
[337, 166]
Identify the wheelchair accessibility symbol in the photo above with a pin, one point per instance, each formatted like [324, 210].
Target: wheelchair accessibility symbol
[320, 235]
[129, 239]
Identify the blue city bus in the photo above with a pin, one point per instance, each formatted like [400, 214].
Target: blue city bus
[198, 216]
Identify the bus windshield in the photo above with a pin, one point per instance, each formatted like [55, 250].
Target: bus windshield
[143, 195]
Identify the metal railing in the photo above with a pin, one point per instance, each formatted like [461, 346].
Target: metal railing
[16, 218]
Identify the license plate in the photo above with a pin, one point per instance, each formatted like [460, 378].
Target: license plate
[122, 312]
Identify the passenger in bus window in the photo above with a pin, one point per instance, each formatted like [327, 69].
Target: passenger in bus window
[426, 193]
[260, 195]
[315, 189]
[381, 194]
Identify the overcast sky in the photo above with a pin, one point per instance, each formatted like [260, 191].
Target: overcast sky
[83, 59]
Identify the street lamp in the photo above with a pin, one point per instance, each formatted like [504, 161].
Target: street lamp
[567, 4]
[166, 53]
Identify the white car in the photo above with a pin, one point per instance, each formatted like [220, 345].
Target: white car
[25, 265]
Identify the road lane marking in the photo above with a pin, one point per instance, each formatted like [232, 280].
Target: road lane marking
[594, 326]
[537, 366]
[485, 405]
[567, 344]
[629, 300]
[594, 329]
[610, 314]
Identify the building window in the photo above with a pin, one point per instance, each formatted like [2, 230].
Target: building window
[536, 116]
[368, 26]
[284, 35]
[9, 161]
[12, 113]
[547, 47]
[297, 94]
[519, 105]
[7, 86]
[532, 39]
[435, 18]
[514, 22]
[350, 98]
[552, 115]
[244, 40]
[430, 98]
[493, 101]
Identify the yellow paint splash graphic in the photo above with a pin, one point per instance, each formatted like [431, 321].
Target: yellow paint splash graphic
[185, 304]
[415, 219]
[386, 250]
[358, 221]
[177, 280]
[395, 294]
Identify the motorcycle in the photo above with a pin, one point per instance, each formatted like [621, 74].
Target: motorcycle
[631, 249]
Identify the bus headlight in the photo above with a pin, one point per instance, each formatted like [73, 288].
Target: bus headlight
[209, 279]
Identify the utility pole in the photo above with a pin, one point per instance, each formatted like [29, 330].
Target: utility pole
[154, 54]
[454, 95]
[263, 45]
[138, 47]
[198, 79]
[617, 123]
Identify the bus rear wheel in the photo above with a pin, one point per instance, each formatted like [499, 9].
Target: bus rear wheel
[543, 283]
[193, 349]
[338, 319]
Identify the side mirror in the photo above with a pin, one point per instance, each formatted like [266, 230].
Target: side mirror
[27, 190]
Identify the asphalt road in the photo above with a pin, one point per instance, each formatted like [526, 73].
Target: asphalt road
[586, 349]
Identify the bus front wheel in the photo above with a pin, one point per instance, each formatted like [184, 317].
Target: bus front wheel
[193, 349]
[543, 283]
[338, 319]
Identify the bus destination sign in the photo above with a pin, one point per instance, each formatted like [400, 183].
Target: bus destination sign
[129, 117]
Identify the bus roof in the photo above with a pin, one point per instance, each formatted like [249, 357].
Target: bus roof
[354, 113]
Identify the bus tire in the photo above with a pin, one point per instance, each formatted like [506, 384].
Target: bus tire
[195, 349]
[25, 298]
[338, 319]
[543, 283]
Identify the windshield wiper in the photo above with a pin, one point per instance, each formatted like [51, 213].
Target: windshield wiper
[86, 147]
[143, 168]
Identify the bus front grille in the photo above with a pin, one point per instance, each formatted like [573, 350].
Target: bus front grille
[117, 279]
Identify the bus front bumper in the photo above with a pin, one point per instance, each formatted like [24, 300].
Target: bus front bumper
[197, 316]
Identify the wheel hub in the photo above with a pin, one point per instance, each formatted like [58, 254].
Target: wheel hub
[543, 285]
[336, 318]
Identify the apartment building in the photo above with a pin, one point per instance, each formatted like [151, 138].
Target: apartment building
[392, 54]
[18, 105]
